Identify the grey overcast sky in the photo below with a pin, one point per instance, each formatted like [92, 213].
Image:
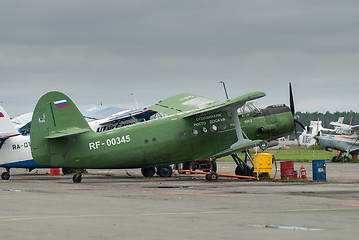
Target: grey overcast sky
[104, 50]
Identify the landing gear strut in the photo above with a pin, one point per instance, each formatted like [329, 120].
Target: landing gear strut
[6, 175]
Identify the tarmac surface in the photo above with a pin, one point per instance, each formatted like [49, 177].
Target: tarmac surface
[121, 204]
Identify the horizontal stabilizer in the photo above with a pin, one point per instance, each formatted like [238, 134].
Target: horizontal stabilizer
[237, 148]
[67, 133]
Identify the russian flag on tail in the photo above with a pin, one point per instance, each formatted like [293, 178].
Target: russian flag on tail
[61, 103]
[1, 115]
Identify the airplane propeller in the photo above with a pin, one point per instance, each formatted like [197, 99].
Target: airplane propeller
[292, 109]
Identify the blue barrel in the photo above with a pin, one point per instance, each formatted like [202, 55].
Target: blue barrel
[319, 170]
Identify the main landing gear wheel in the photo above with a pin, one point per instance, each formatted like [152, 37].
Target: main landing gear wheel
[148, 171]
[164, 171]
[5, 176]
[212, 176]
[77, 178]
[244, 170]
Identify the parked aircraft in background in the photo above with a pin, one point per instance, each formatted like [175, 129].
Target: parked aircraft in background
[100, 118]
[343, 138]
[307, 137]
[15, 149]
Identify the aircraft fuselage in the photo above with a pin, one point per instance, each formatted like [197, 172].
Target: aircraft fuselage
[162, 141]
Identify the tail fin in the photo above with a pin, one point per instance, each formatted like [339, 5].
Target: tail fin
[55, 117]
[7, 128]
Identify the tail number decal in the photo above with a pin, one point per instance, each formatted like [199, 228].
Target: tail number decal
[110, 142]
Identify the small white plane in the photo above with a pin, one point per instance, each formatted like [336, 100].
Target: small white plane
[344, 138]
[15, 149]
[307, 137]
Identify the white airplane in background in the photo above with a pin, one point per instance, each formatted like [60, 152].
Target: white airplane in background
[15, 148]
[100, 118]
[344, 138]
[307, 137]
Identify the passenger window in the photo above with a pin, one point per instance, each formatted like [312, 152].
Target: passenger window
[194, 132]
[213, 128]
[204, 130]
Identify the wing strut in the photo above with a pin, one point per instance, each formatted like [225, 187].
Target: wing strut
[234, 115]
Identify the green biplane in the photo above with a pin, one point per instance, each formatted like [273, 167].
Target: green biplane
[193, 128]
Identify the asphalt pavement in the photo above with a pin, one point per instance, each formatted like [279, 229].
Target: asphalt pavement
[121, 204]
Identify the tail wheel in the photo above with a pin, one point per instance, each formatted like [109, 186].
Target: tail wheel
[77, 178]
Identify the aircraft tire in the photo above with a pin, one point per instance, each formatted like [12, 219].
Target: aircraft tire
[5, 176]
[247, 171]
[212, 176]
[346, 159]
[148, 171]
[77, 178]
[336, 159]
[164, 171]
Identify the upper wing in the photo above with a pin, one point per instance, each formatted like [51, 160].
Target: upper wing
[345, 126]
[181, 103]
[199, 105]
[338, 124]
[233, 103]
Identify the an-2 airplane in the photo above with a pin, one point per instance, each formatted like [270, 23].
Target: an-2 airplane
[196, 128]
[343, 138]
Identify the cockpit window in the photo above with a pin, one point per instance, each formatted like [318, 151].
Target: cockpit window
[248, 108]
